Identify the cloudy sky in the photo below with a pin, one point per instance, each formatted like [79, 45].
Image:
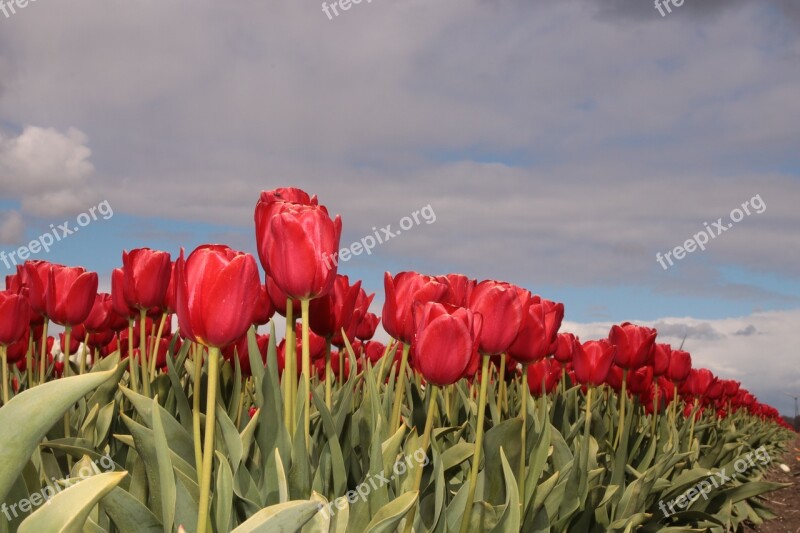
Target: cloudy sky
[561, 146]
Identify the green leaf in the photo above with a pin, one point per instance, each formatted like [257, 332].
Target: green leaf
[67, 511]
[289, 516]
[389, 516]
[166, 477]
[32, 414]
[128, 513]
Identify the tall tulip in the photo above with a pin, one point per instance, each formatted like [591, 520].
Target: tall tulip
[501, 307]
[301, 250]
[269, 204]
[635, 345]
[592, 361]
[69, 298]
[497, 302]
[146, 277]
[538, 331]
[402, 291]
[14, 312]
[217, 293]
[445, 340]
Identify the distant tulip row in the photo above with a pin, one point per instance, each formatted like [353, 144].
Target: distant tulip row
[443, 328]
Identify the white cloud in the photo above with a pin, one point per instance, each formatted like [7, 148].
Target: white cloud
[47, 170]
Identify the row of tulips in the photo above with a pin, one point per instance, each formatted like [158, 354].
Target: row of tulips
[467, 363]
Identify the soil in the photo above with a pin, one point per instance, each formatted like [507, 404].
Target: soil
[785, 502]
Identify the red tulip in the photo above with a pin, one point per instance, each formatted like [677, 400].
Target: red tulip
[171, 295]
[279, 299]
[264, 308]
[14, 313]
[661, 359]
[635, 345]
[566, 348]
[731, 387]
[146, 275]
[363, 323]
[101, 315]
[614, 378]
[499, 305]
[680, 364]
[374, 351]
[17, 351]
[35, 276]
[217, 294]
[269, 204]
[592, 361]
[70, 295]
[539, 330]
[459, 288]
[640, 380]
[331, 312]
[301, 250]
[101, 339]
[367, 326]
[445, 341]
[402, 292]
[16, 282]
[547, 371]
[698, 382]
[118, 300]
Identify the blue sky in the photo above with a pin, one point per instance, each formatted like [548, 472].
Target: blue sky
[561, 146]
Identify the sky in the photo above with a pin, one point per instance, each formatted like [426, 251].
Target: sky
[561, 146]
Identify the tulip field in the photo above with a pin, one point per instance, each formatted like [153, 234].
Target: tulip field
[175, 403]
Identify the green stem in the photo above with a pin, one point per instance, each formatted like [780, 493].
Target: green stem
[399, 389]
[655, 409]
[154, 342]
[691, 428]
[132, 368]
[29, 360]
[384, 359]
[208, 446]
[288, 369]
[523, 413]
[197, 355]
[306, 373]
[83, 355]
[43, 352]
[502, 384]
[4, 363]
[623, 397]
[426, 439]
[329, 375]
[67, 339]
[476, 456]
[143, 352]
